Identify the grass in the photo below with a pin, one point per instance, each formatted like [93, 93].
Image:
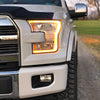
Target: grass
[88, 27]
[89, 32]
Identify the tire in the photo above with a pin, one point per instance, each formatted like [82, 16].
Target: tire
[71, 90]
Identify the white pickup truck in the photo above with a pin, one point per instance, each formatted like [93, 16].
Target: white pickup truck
[38, 49]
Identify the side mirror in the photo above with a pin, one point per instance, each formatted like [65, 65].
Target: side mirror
[80, 11]
[80, 8]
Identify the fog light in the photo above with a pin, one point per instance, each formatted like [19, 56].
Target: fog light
[45, 78]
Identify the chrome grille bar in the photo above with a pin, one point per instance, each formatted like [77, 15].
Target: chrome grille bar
[5, 22]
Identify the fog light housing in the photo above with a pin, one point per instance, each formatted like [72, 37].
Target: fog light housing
[42, 80]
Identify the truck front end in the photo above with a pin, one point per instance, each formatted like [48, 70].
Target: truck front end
[33, 49]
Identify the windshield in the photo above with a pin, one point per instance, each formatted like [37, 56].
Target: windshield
[43, 2]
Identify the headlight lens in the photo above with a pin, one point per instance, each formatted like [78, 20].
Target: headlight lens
[51, 28]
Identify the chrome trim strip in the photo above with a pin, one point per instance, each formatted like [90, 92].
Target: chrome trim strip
[9, 73]
[5, 22]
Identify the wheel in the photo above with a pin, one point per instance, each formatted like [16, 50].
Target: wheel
[71, 90]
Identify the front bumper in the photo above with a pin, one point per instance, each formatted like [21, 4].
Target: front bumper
[22, 85]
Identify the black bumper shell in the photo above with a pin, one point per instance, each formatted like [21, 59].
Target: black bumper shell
[9, 85]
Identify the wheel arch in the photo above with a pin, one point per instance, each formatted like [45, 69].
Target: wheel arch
[72, 44]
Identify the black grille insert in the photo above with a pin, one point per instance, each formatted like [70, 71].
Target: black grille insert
[8, 30]
[8, 48]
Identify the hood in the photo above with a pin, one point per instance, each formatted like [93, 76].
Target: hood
[38, 8]
[30, 11]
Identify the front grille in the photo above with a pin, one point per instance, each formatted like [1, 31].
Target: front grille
[8, 30]
[8, 47]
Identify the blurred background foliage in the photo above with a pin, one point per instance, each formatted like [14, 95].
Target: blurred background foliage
[93, 7]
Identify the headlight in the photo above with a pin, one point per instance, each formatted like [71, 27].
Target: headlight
[51, 28]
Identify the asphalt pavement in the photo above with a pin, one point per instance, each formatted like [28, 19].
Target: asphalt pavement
[88, 75]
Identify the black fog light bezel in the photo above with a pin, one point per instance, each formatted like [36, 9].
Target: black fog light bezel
[36, 82]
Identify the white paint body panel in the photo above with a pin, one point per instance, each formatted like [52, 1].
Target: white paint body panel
[59, 84]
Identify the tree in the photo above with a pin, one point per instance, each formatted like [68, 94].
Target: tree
[97, 6]
[90, 1]
[95, 3]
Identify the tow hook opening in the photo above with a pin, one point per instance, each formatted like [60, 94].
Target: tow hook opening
[43, 80]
